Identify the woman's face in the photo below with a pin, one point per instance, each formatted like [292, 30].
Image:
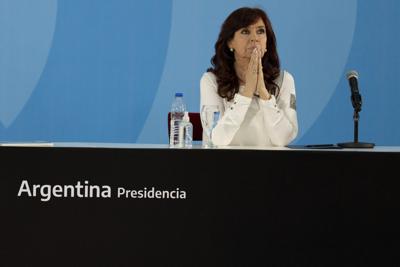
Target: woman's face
[246, 39]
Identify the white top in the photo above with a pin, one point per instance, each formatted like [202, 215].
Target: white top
[252, 121]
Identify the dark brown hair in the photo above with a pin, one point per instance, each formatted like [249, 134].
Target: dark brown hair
[223, 60]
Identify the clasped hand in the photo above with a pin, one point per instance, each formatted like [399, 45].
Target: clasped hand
[255, 77]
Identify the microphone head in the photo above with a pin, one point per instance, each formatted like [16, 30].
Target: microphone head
[352, 74]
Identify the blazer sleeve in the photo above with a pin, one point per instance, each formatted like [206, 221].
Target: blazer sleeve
[231, 118]
[280, 116]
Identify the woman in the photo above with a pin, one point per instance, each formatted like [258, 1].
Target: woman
[257, 100]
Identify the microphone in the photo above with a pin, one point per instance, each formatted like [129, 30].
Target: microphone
[356, 100]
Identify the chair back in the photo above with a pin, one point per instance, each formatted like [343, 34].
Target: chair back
[197, 127]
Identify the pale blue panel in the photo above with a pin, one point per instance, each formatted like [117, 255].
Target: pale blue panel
[26, 33]
[106, 71]
[375, 55]
[101, 74]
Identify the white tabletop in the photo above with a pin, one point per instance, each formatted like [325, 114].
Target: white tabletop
[196, 146]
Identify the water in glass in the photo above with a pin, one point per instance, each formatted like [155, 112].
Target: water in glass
[209, 115]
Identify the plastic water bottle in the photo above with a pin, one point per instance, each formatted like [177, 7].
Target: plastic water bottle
[186, 131]
[178, 109]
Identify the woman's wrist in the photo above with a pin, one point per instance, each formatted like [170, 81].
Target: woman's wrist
[247, 93]
[264, 94]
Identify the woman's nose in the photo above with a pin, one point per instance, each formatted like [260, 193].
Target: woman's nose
[253, 37]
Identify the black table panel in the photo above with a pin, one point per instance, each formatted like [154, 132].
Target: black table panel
[237, 208]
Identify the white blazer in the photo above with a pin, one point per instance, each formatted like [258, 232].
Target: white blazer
[252, 121]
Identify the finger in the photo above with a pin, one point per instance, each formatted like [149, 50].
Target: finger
[256, 57]
[253, 56]
[254, 67]
[259, 65]
[260, 70]
[253, 64]
[261, 51]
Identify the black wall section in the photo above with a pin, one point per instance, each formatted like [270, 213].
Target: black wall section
[242, 208]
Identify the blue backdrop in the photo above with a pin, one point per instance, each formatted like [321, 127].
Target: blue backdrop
[106, 71]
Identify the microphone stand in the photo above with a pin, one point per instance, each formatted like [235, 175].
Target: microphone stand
[356, 144]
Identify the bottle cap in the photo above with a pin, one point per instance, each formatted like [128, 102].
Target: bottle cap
[178, 94]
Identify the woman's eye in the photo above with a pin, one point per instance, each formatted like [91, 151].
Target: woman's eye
[245, 31]
[261, 31]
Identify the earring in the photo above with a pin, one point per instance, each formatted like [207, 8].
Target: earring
[231, 49]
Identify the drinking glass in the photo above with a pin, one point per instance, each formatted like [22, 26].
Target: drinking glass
[209, 115]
